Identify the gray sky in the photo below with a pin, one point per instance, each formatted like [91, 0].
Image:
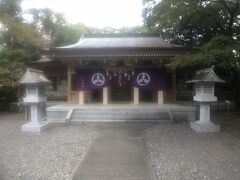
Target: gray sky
[96, 13]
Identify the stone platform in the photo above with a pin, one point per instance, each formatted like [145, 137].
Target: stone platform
[119, 112]
[204, 128]
[35, 128]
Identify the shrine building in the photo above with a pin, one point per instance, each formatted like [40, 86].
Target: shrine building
[113, 69]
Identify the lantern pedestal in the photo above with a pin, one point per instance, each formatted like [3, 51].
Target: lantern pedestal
[205, 128]
[38, 121]
[36, 128]
[204, 125]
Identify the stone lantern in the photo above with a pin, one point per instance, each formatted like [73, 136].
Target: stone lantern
[35, 98]
[204, 81]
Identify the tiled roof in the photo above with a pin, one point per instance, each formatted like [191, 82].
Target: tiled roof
[120, 41]
[33, 76]
[206, 75]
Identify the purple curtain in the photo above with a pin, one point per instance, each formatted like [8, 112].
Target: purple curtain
[88, 79]
[144, 78]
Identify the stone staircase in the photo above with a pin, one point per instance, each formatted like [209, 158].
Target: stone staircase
[119, 113]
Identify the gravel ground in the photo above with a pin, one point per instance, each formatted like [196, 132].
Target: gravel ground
[179, 153]
[51, 155]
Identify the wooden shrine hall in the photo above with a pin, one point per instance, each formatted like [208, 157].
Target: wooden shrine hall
[112, 69]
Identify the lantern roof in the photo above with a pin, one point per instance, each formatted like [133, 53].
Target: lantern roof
[33, 76]
[206, 75]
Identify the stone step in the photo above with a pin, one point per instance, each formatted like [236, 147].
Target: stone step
[163, 117]
[124, 114]
[120, 114]
[112, 113]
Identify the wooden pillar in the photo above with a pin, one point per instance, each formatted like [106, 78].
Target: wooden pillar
[69, 88]
[105, 95]
[160, 97]
[174, 86]
[136, 96]
[81, 97]
[58, 81]
[109, 94]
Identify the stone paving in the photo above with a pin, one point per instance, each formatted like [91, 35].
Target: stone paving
[51, 155]
[178, 153]
[118, 154]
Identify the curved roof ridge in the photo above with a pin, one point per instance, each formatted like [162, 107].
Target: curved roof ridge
[121, 41]
[206, 75]
[120, 35]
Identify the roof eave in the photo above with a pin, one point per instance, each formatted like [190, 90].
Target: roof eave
[121, 48]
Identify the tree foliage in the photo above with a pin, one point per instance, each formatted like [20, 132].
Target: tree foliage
[15, 44]
[213, 26]
[10, 8]
[123, 30]
[54, 28]
[193, 22]
[220, 51]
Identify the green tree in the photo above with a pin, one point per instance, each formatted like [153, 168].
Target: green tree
[69, 34]
[222, 52]
[19, 43]
[211, 25]
[192, 22]
[54, 28]
[122, 30]
[10, 8]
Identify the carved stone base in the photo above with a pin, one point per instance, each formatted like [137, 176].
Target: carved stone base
[204, 127]
[30, 127]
